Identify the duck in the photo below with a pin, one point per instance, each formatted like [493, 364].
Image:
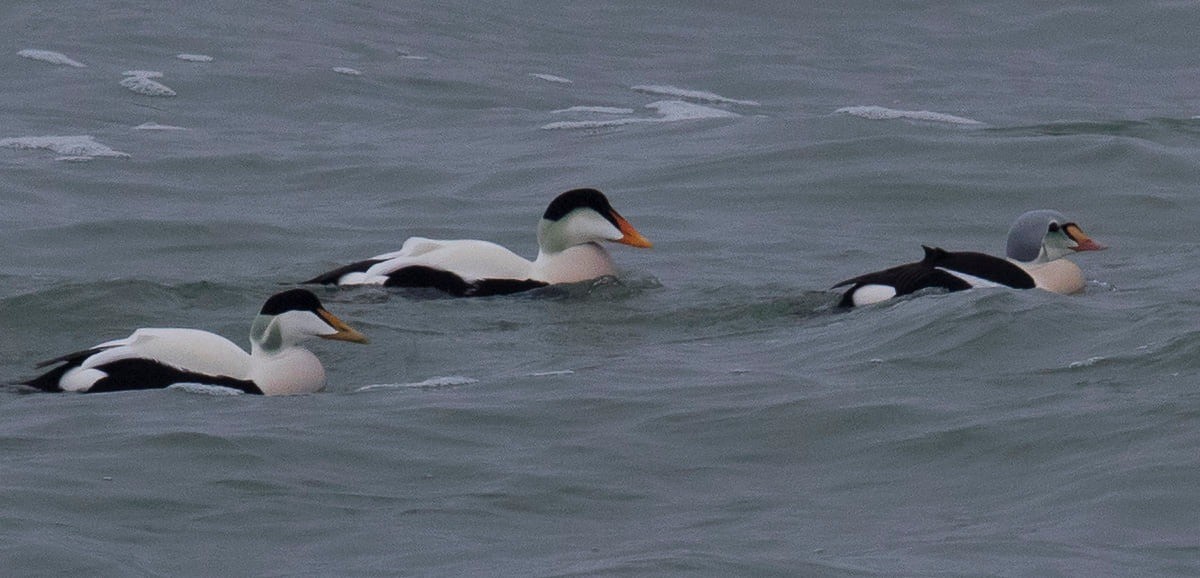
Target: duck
[1034, 258]
[569, 251]
[154, 358]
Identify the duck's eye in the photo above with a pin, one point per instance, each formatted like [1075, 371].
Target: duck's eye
[1053, 227]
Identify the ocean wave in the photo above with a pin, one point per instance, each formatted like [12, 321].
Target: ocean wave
[431, 383]
[593, 110]
[194, 57]
[668, 111]
[552, 78]
[51, 57]
[1147, 129]
[140, 81]
[695, 95]
[204, 389]
[881, 113]
[143, 73]
[156, 126]
[1087, 362]
[555, 373]
[78, 147]
[405, 54]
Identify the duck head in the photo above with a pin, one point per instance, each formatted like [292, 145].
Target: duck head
[293, 316]
[583, 216]
[1042, 236]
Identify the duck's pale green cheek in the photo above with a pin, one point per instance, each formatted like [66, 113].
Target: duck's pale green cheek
[266, 333]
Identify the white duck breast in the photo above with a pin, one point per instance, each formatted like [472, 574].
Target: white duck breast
[159, 357]
[568, 251]
[1036, 244]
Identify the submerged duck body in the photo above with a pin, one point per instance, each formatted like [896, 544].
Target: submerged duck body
[153, 358]
[569, 251]
[1037, 243]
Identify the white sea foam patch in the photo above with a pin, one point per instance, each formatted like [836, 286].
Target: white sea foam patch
[593, 110]
[141, 82]
[70, 147]
[552, 373]
[1086, 363]
[693, 95]
[405, 54]
[347, 71]
[552, 78]
[194, 57]
[204, 389]
[431, 383]
[156, 126]
[668, 111]
[51, 57]
[881, 113]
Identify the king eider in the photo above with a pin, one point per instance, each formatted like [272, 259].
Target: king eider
[154, 358]
[569, 251]
[1037, 243]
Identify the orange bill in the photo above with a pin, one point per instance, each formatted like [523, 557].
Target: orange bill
[1082, 242]
[631, 236]
[344, 332]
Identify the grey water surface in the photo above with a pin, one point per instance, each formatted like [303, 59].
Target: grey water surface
[710, 412]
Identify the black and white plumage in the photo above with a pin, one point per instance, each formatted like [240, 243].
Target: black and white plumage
[1037, 243]
[569, 251]
[153, 358]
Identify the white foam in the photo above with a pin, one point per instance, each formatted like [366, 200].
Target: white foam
[881, 113]
[205, 389]
[668, 110]
[552, 373]
[676, 110]
[194, 57]
[696, 95]
[347, 71]
[1085, 363]
[594, 110]
[142, 84]
[431, 383]
[552, 78]
[51, 57]
[143, 73]
[156, 126]
[71, 148]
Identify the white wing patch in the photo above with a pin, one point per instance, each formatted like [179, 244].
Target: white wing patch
[80, 379]
[972, 280]
[188, 349]
[468, 258]
[870, 294]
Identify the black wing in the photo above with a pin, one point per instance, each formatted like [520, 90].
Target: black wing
[981, 265]
[488, 287]
[907, 278]
[132, 373]
[49, 380]
[420, 276]
[136, 373]
[73, 359]
[904, 279]
[332, 277]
